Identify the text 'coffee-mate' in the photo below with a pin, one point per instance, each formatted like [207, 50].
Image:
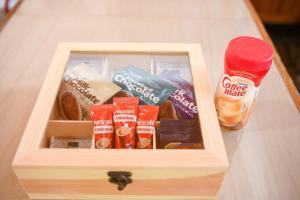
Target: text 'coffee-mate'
[247, 60]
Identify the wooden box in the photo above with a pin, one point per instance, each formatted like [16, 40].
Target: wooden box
[48, 173]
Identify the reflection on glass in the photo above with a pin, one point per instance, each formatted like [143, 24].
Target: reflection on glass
[158, 80]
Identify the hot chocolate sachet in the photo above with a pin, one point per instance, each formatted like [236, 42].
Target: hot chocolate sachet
[183, 98]
[103, 125]
[125, 116]
[152, 90]
[146, 123]
[81, 87]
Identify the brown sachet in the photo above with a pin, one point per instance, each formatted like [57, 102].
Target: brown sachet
[121, 93]
[179, 134]
[167, 111]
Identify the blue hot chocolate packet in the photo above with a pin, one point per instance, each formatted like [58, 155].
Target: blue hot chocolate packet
[151, 90]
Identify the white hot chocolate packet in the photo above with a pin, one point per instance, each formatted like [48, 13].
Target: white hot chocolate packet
[82, 87]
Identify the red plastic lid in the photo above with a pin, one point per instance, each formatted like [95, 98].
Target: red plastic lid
[249, 54]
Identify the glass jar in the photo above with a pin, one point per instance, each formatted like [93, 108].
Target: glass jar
[247, 60]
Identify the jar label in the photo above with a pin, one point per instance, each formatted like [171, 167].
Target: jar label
[234, 98]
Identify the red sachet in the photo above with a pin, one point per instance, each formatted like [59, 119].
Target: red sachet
[146, 126]
[125, 116]
[103, 125]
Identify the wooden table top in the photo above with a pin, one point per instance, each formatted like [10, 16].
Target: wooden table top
[264, 156]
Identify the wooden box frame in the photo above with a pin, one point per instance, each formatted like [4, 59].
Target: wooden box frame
[161, 174]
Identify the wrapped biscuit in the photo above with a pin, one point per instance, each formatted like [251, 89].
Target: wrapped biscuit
[82, 87]
[70, 142]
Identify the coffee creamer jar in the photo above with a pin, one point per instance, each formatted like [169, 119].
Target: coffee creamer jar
[247, 60]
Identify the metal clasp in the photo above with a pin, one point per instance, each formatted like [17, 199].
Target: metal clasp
[121, 178]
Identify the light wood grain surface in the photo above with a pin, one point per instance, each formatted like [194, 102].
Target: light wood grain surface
[264, 156]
